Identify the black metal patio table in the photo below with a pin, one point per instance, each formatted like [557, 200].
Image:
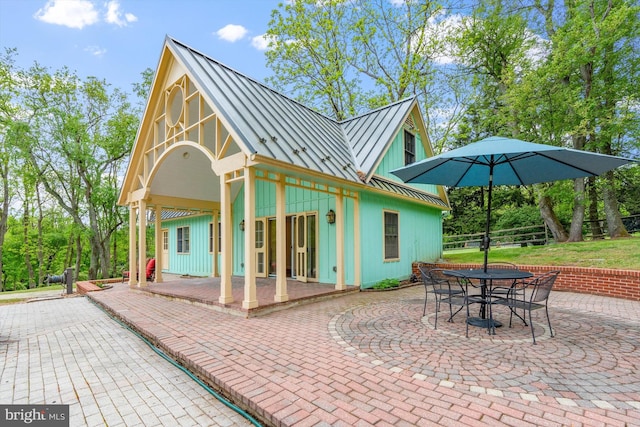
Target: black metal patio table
[486, 278]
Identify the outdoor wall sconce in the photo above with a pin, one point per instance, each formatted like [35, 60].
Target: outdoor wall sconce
[331, 216]
[242, 225]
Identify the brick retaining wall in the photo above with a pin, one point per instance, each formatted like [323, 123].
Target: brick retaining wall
[597, 281]
[92, 285]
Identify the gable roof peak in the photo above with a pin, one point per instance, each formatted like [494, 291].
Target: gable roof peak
[244, 76]
[376, 110]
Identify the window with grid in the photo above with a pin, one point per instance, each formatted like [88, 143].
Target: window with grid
[183, 240]
[409, 148]
[391, 241]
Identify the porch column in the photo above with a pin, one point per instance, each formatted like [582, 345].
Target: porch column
[281, 249]
[226, 296]
[250, 299]
[133, 281]
[357, 265]
[142, 245]
[340, 285]
[216, 249]
[159, 245]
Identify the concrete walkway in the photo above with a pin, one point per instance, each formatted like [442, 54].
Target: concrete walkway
[69, 351]
[370, 358]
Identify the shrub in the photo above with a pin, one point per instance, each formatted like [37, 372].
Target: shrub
[387, 284]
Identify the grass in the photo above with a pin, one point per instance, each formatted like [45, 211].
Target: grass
[621, 254]
[39, 289]
[19, 294]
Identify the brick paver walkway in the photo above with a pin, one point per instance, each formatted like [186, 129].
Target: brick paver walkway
[68, 351]
[370, 359]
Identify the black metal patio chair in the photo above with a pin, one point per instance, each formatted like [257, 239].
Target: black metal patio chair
[506, 288]
[536, 296]
[444, 289]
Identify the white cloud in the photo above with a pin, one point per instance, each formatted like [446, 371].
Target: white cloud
[95, 50]
[114, 15]
[260, 42]
[81, 13]
[70, 13]
[231, 33]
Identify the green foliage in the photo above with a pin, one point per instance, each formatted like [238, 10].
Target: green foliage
[387, 284]
[69, 140]
[518, 217]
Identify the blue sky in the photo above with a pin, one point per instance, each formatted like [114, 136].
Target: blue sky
[116, 40]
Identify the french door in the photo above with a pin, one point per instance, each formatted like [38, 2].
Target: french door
[306, 246]
[165, 249]
[261, 248]
[301, 247]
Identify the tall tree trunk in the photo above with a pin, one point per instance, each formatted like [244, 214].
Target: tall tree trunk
[575, 232]
[614, 222]
[4, 213]
[40, 242]
[615, 227]
[114, 256]
[78, 255]
[26, 245]
[594, 221]
[550, 218]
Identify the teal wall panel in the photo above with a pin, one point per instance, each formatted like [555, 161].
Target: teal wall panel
[199, 261]
[420, 234]
[299, 200]
[394, 159]
[420, 237]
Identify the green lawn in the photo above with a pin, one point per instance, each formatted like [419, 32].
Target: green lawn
[617, 253]
[10, 297]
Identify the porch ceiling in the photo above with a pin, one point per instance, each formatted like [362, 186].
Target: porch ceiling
[186, 173]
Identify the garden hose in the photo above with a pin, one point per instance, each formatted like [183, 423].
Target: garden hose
[218, 396]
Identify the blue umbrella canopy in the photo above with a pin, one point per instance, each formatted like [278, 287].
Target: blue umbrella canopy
[510, 161]
[506, 161]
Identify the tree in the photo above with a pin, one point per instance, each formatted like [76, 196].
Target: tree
[593, 68]
[346, 56]
[79, 135]
[7, 114]
[559, 91]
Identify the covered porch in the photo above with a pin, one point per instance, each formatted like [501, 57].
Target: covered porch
[205, 291]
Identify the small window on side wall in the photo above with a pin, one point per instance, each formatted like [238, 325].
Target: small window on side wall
[183, 240]
[391, 239]
[409, 148]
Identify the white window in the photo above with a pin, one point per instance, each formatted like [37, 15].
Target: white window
[391, 240]
[183, 240]
[409, 148]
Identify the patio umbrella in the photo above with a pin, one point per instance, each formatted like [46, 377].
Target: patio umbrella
[506, 161]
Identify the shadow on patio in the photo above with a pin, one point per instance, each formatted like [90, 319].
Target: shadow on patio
[206, 291]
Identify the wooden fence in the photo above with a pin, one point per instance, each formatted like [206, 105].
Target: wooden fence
[530, 235]
[520, 236]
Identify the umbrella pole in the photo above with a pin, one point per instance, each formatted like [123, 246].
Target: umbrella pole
[487, 240]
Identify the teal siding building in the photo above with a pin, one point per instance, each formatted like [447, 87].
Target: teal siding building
[243, 181]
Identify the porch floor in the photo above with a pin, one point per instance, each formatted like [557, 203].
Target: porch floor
[206, 291]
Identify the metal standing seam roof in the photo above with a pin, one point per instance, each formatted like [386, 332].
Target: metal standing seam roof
[275, 126]
[370, 133]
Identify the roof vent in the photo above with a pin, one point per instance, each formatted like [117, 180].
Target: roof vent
[409, 122]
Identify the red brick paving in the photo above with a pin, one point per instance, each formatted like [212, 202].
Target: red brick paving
[369, 358]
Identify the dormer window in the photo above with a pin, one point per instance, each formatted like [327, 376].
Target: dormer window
[409, 148]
